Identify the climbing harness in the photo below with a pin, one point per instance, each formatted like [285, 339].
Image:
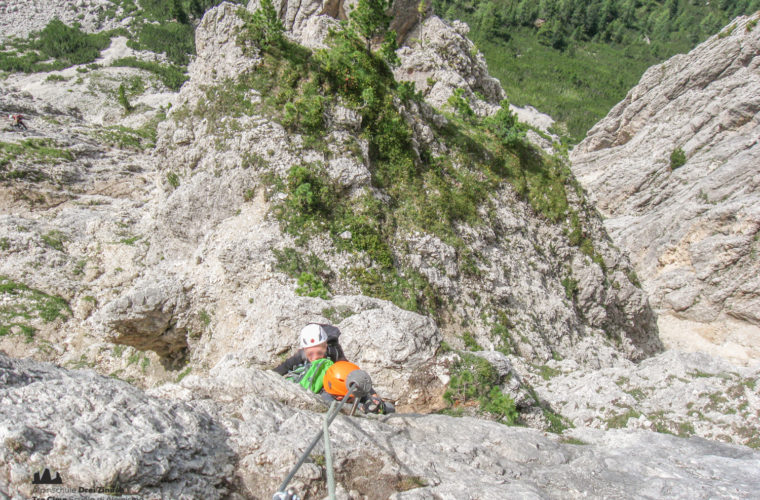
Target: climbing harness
[358, 384]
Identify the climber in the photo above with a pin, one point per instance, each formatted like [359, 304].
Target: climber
[18, 122]
[316, 342]
[319, 351]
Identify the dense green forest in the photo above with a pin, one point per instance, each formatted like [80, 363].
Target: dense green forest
[575, 59]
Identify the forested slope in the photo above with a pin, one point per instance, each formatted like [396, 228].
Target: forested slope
[575, 59]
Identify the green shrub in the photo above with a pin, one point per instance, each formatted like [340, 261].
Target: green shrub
[310, 200]
[474, 378]
[501, 330]
[547, 372]
[312, 273]
[311, 286]
[459, 103]
[264, 25]
[470, 343]
[204, 318]
[65, 45]
[570, 285]
[677, 158]
[171, 76]
[557, 423]
[176, 40]
[123, 101]
[388, 49]
[505, 126]
[173, 179]
[70, 45]
[370, 19]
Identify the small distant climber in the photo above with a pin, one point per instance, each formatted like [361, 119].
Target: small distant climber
[319, 352]
[17, 121]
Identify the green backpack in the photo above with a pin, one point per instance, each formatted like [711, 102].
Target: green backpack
[310, 375]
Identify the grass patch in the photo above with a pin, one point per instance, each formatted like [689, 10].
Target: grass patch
[204, 317]
[54, 239]
[557, 423]
[501, 330]
[173, 179]
[335, 316]
[572, 440]
[547, 372]
[34, 151]
[620, 421]
[637, 394]
[406, 483]
[470, 343]
[184, 373]
[22, 305]
[130, 240]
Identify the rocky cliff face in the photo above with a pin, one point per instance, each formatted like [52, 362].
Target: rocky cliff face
[159, 250]
[691, 227]
[237, 432]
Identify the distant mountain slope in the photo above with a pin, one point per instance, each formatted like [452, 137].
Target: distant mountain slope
[574, 59]
[674, 168]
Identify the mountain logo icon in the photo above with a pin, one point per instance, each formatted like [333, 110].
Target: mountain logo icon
[46, 479]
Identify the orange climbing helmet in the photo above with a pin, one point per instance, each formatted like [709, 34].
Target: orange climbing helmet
[335, 378]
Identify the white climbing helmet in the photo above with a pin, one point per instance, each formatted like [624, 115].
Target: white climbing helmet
[313, 334]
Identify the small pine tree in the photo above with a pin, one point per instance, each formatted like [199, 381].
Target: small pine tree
[460, 104]
[123, 99]
[178, 12]
[388, 49]
[370, 19]
[196, 9]
[266, 26]
[505, 126]
[677, 158]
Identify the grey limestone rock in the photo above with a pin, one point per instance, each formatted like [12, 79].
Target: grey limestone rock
[148, 317]
[439, 58]
[674, 392]
[97, 432]
[691, 231]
